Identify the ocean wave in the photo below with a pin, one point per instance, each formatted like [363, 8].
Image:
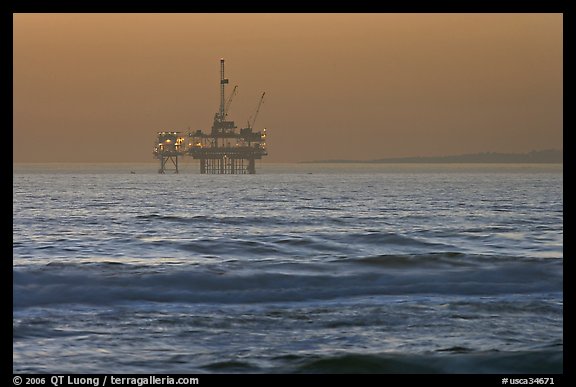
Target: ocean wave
[489, 362]
[450, 259]
[393, 275]
[388, 238]
[285, 244]
[245, 220]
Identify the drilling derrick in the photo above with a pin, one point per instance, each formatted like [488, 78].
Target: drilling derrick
[223, 150]
[221, 126]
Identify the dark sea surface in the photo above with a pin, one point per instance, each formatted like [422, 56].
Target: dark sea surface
[298, 269]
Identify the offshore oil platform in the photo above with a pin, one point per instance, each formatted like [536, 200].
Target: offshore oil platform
[221, 151]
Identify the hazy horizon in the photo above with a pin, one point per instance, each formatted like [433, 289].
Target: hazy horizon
[97, 87]
[190, 160]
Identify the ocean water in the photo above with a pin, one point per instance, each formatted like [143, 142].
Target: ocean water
[298, 269]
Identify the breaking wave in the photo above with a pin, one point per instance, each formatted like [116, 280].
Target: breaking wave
[445, 274]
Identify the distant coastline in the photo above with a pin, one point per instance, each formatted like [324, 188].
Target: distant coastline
[549, 156]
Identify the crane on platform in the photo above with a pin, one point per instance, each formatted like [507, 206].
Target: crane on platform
[229, 101]
[251, 125]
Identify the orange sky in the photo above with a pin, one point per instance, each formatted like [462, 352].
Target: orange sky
[97, 87]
